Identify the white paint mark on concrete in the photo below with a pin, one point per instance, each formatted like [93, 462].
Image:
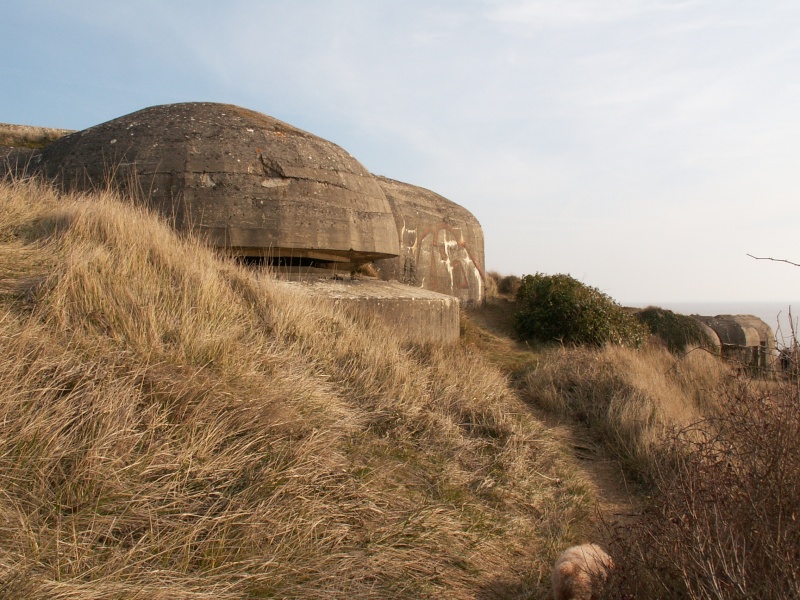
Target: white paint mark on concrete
[271, 183]
[206, 181]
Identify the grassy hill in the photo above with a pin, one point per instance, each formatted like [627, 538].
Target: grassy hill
[26, 136]
[178, 426]
[175, 425]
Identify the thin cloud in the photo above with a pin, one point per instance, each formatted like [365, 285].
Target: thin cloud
[629, 141]
[548, 14]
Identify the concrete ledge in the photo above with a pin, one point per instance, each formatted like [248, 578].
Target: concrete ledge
[418, 316]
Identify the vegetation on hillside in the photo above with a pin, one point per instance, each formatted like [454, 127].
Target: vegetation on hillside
[718, 458]
[679, 332]
[561, 308]
[28, 137]
[178, 426]
[715, 458]
[632, 399]
[724, 518]
[497, 284]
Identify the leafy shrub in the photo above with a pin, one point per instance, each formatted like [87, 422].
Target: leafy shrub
[559, 307]
[677, 331]
[509, 285]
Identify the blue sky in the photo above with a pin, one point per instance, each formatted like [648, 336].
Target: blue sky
[643, 146]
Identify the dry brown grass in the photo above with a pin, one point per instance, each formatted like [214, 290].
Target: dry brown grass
[631, 398]
[176, 426]
[720, 457]
[723, 522]
[492, 277]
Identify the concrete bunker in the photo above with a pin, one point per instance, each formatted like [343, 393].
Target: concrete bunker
[441, 243]
[262, 190]
[745, 339]
[250, 184]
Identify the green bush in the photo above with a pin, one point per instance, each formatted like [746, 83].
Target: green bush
[509, 284]
[561, 308]
[677, 331]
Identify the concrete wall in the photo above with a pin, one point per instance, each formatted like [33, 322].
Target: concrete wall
[745, 339]
[417, 316]
[441, 243]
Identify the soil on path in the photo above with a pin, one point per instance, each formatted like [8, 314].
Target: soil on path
[618, 501]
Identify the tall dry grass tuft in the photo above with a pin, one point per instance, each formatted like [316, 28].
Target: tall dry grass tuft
[491, 280]
[724, 523]
[721, 458]
[176, 426]
[631, 398]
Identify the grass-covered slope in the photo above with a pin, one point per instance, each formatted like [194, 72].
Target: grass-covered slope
[176, 426]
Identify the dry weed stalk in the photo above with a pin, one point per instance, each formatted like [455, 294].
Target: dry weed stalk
[724, 518]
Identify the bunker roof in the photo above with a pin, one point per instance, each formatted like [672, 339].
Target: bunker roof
[246, 182]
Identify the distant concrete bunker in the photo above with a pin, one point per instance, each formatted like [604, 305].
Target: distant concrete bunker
[262, 190]
[745, 339]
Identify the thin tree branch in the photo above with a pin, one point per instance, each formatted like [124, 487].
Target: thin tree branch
[774, 259]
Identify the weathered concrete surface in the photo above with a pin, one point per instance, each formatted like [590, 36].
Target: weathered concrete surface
[441, 243]
[417, 316]
[712, 336]
[27, 136]
[766, 354]
[744, 338]
[17, 162]
[246, 182]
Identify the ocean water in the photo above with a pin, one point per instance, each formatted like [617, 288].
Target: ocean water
[775, 314]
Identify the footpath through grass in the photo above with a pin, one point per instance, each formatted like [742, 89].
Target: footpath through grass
[716, 455]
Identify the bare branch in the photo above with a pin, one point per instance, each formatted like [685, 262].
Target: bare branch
[774, 259]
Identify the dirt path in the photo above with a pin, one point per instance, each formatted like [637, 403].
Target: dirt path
[617, 500]
[618, 503]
